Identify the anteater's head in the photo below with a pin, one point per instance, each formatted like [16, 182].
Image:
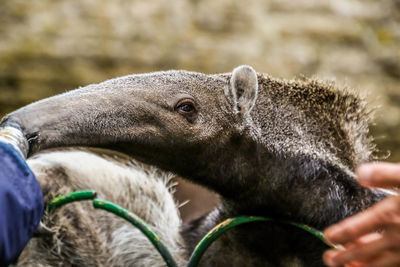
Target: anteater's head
[174, 119]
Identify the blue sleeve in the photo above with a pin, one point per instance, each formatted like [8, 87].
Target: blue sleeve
[21, 204]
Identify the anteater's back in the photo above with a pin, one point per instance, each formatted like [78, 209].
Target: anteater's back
[84, 236]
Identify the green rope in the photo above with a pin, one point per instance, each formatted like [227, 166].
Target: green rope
[140, 224]
[72, 197]
[201, 247]
[216, 232]
[119, 211]
[314, 232]
[221, 228]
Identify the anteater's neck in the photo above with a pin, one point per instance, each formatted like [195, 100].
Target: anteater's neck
[299, 188]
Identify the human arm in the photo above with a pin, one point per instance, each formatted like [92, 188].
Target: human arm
[21, 203]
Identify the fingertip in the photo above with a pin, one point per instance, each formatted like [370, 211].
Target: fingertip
[364, 174]
[330, 233]
[340, 233]
[328, 257]
[379, 174]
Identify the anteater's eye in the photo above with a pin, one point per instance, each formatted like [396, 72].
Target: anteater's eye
[185, 107]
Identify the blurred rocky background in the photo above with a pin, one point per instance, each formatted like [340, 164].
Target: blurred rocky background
[48, 47]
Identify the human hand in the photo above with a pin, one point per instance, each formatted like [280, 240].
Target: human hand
[372, 237]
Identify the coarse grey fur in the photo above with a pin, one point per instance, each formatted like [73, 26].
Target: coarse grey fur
[269, 147]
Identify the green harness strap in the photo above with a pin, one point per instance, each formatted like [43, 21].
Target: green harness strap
[201, 247]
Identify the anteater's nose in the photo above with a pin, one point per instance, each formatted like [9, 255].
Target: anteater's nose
[12, 134]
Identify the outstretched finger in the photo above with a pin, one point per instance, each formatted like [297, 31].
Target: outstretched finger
[360, 251]
[386, 212]
[332, 254]
[379, 174]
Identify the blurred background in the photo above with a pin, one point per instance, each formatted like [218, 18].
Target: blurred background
[48, 47]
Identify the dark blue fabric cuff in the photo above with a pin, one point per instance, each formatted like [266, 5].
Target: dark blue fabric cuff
[21, 204]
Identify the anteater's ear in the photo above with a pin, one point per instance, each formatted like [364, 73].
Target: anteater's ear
[243, 89]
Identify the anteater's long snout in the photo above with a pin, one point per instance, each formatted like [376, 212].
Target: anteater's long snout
[85, 117]
[21, 127]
